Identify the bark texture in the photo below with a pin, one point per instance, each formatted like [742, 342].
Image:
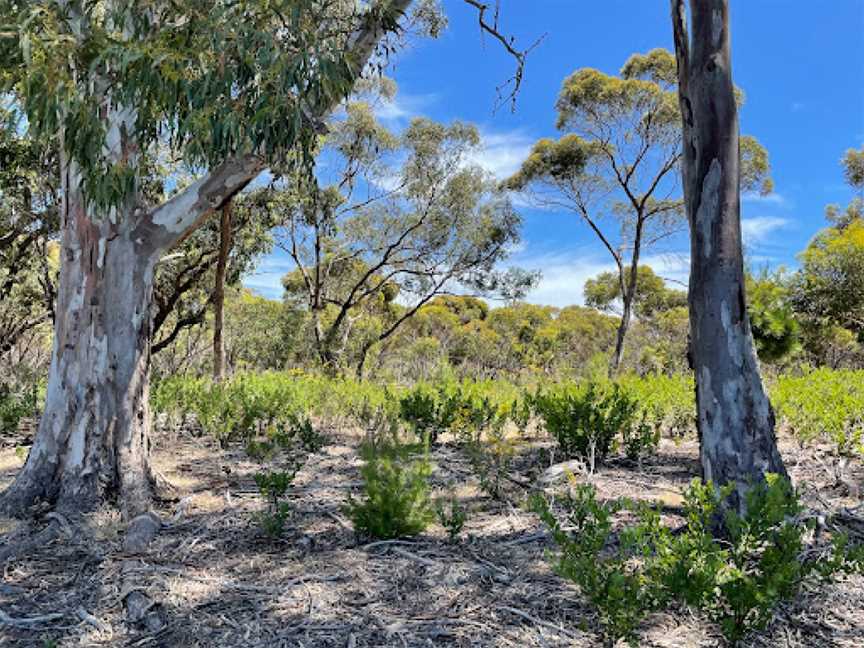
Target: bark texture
[735, 418]
[92, 441]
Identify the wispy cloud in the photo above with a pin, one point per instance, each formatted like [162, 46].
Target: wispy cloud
[769, 199]
[502, 153]
[564, 273]
[757, 229]
[403, 107]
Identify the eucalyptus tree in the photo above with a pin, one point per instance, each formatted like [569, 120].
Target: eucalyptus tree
[405, 215]
[616, 165]
[829, 289]
[28, 232]
[737, 443]
[234, 87]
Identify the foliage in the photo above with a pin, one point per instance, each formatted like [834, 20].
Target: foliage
[653, 297]
[440, 221]
[396, 499]
[666, 403]
[451, 515]
[273, 486]
[823, 405]
[587, 420]
[736, 581]
[179, 82]
[17, 404]
[622, 594]
[830, 285]
[775, 329]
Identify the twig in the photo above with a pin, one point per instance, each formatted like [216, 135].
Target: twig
[26, 622]
[536, 621]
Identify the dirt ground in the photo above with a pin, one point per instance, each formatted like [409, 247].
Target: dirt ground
[217, 581]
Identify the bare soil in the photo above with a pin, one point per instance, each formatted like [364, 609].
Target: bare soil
[220, 582]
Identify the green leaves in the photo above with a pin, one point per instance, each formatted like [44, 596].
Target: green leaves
[396, 499]
[737, 582]
[217, 79]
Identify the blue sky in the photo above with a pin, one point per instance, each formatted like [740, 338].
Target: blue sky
[801, 65]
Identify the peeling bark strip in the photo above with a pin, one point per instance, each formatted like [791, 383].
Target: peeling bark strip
[735, 419]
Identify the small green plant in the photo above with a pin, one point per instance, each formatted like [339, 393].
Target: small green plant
[452, 515]
[490, 457]
[395, 493]
[428, 412]
[609, 580]
[639, 438]
[586, 419]
[737, 581]
[273, 485]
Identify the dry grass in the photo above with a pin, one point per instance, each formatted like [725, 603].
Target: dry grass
[223, 584]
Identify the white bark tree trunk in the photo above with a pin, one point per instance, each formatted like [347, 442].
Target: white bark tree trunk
[93, 439]
[735, 418]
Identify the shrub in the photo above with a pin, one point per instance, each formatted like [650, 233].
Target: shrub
[586, 419]
[824, 404]
[273, 485]
[736, 581]
[452, 515]
[396, 493]
[16, 404]
[428, 411]
[667, 403]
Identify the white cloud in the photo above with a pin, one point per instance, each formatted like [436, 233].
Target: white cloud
[502, 153]
[757, 229]
[564, 274]
[403, 107]
[769, 199]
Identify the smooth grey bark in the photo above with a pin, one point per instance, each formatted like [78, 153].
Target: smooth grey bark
[735, 420]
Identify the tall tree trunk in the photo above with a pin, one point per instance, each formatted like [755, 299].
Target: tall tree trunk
[219, 294]
[93, 438]
[735, 419]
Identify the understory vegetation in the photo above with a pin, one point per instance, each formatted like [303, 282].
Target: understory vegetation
[273, 353]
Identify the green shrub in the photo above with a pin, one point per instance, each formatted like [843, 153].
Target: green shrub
[16, 404]
[396, 493]
[452, 515]
[586, 419]
[617, 589]
[667, 403]
[825, 404]
[273, 485]
[428, 411]
[737, 581]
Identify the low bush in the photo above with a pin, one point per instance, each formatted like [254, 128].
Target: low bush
[396, 498]
[451, 515]
[737, 582]
[16, 404]
[273, 485]
[824, 405]
[589, 420]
